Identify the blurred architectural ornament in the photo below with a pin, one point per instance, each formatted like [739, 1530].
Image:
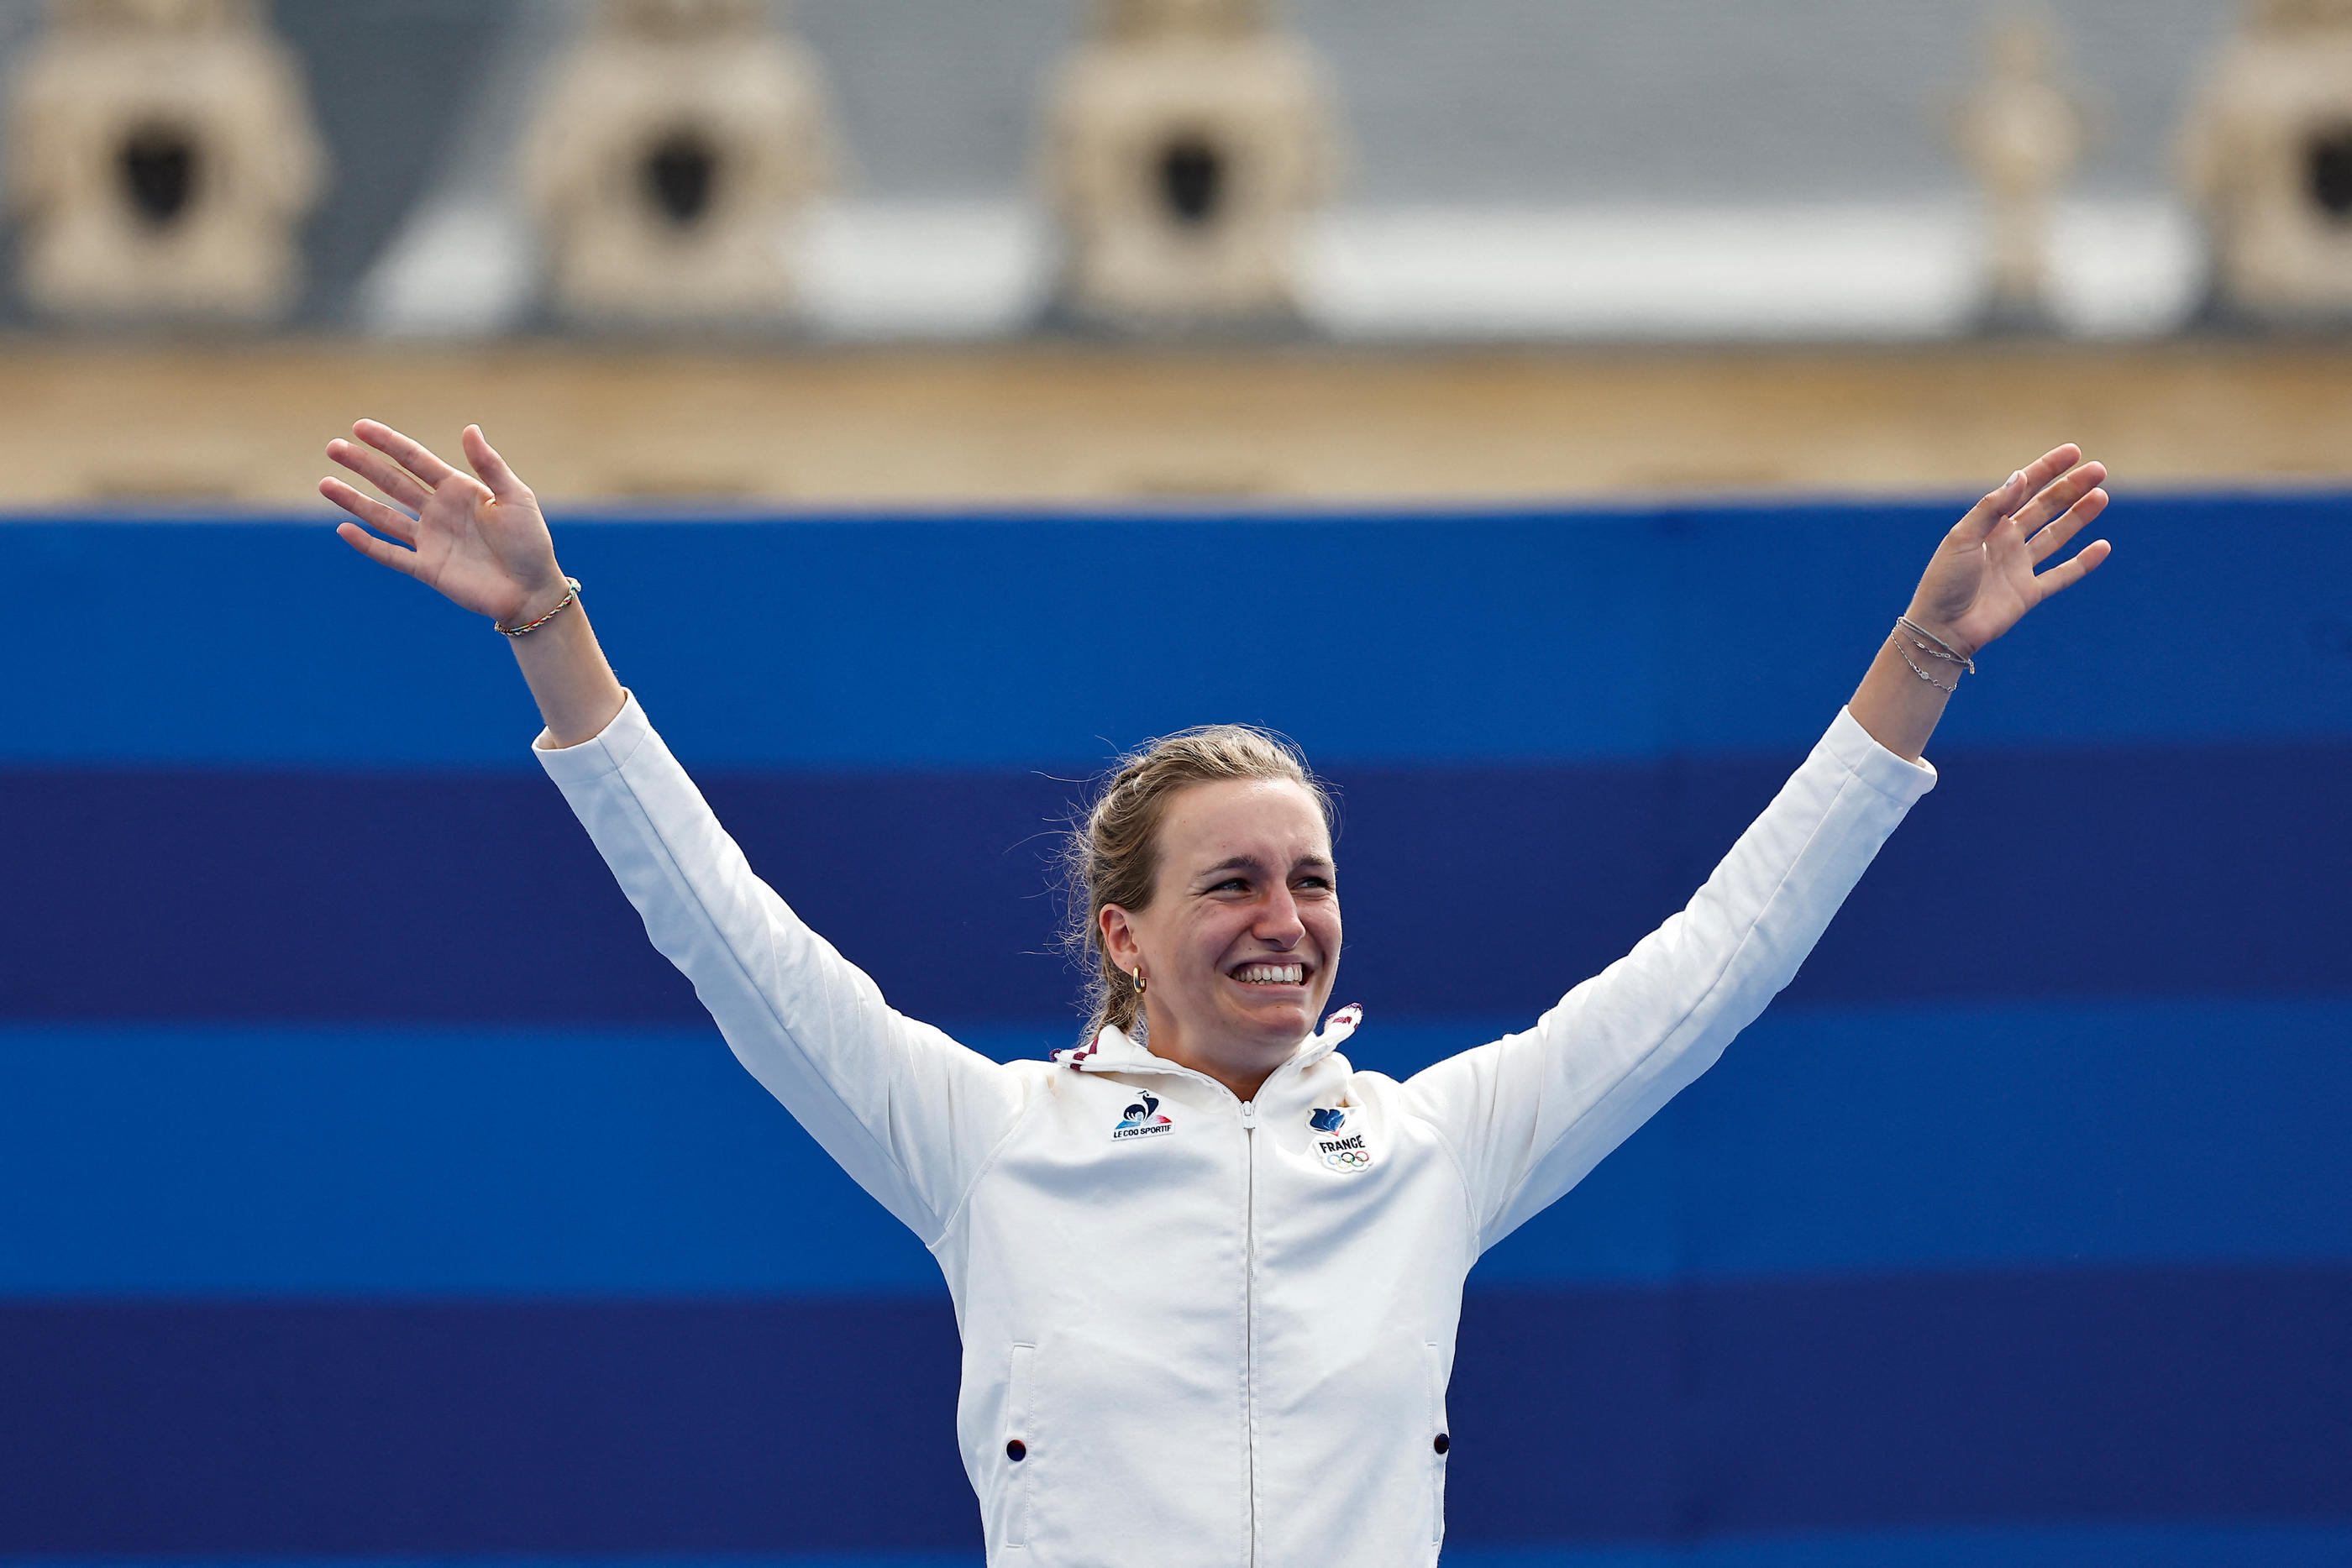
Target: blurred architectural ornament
[2268, 156]
[673, 149]
[160, 153]
[2021, 136]
[1185, 142]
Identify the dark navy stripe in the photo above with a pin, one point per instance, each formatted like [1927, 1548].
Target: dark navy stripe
[2178, 1545]
[986, 642]
[701, 1428]
[326, 1162]
[406, 897]
[2196, 1546]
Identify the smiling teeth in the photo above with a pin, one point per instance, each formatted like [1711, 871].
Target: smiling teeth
[1271, 974]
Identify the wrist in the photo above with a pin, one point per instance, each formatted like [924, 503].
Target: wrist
[1927, 621]
[542, 595]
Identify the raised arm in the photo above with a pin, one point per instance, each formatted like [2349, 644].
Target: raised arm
[910, 1114]
[479, 540]
[1529, 1115]
[1981, 582]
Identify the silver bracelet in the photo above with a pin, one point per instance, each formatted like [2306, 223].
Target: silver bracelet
[1923, 674]
[1935, 647]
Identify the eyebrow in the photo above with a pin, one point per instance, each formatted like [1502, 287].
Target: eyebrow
[1251, 862]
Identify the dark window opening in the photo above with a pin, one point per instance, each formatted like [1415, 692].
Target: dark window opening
[2331, 173]
[681, 174]
[158, 164]
[1192, 181]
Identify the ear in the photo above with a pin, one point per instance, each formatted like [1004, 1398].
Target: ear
[1117, 935]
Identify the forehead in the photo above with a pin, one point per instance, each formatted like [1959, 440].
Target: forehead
[1273, 819]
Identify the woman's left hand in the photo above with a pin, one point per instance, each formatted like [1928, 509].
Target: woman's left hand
[1983, 579]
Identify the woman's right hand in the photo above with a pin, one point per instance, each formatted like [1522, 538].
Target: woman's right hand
[480, 542]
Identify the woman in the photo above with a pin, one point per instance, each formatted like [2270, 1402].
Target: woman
[1208, 1275]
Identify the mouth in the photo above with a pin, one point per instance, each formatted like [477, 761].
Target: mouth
[1270, 974]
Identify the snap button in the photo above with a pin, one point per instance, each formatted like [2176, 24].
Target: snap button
[1016, 1450]
[1443, 1443]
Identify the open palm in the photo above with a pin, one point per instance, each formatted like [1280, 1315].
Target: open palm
[479, 538]
[1983, 577]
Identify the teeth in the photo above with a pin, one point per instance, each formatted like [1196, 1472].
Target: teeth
[1271, 974]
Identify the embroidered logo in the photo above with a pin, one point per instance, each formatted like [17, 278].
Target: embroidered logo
[1141, 1120]
[1346, 1154]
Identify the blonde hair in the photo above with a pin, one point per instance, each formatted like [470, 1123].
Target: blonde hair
[1113, 853]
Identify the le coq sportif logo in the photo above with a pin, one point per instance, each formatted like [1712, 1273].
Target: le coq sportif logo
[1141, 1120]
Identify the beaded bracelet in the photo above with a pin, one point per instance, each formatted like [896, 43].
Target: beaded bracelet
[570, 597]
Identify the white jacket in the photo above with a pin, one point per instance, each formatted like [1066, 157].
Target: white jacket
[1196, 1330]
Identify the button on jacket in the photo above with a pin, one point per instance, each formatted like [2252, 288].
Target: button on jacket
[1198, 1330]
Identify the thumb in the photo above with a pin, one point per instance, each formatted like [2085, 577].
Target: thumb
[493, 468]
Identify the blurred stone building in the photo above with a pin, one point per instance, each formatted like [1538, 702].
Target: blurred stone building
[160, 156]
[2269, 156]
[1185, 143]
[674, 147]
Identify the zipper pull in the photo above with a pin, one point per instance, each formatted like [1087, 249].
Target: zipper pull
[1249, 1115]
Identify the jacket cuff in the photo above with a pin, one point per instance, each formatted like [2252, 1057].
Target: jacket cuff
[608, 751]
[1899, 781]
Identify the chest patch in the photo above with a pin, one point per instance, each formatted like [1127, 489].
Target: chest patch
[1341, 1150]
[1141, 1120]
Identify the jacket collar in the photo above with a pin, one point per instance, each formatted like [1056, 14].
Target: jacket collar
[1112, 1051]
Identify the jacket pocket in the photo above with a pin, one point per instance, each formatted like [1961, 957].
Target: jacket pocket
[1440, 1440]
[1020, 1391]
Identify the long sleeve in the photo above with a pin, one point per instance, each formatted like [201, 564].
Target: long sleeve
[910, 1114]
[1530, 1116]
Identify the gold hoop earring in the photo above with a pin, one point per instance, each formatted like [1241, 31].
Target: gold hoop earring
[1138, 979]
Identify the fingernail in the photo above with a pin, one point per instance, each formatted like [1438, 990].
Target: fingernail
[2015, 480]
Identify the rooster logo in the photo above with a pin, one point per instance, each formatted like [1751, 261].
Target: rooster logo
[1144, 1112]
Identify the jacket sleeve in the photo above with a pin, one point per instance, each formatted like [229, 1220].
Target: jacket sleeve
[1530, 1116]
[910, 1114]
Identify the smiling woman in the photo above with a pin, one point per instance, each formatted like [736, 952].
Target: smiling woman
[1238, 826]
[1208, 1274]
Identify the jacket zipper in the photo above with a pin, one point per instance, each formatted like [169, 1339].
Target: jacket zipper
[1249, 1312]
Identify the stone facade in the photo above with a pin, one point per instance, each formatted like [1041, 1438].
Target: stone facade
[674, 149]
[160, 153]
[1185, 142]
[2268, 156]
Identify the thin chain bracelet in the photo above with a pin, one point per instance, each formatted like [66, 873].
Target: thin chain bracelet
[570, 598]
[1921, 638]
[1898, 640]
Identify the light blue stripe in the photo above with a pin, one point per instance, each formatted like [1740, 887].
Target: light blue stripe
[981, 642]
[497, 1163]
[2065, 1546]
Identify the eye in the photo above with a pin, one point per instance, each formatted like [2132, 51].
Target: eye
[1231, 884]
[1315, 884]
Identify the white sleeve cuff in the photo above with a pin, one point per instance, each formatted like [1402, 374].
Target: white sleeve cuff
[608, 751]
[1899, 778]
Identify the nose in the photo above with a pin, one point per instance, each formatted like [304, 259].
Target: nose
[1277, 922]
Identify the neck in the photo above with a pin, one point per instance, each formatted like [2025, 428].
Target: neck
[1232, 1069]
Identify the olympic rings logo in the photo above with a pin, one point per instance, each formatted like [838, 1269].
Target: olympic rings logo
[1347, 1160]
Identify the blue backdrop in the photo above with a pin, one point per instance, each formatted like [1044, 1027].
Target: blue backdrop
[367, 1188]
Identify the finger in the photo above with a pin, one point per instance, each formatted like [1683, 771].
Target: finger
[491, 467]
[383, 519]
[377, 550]
[412, 455]
[380, 472]
[1997, 505]
[2021, 488]
[2050, 464]
[2060, 493]
[2067, 573]
[2052, 539]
